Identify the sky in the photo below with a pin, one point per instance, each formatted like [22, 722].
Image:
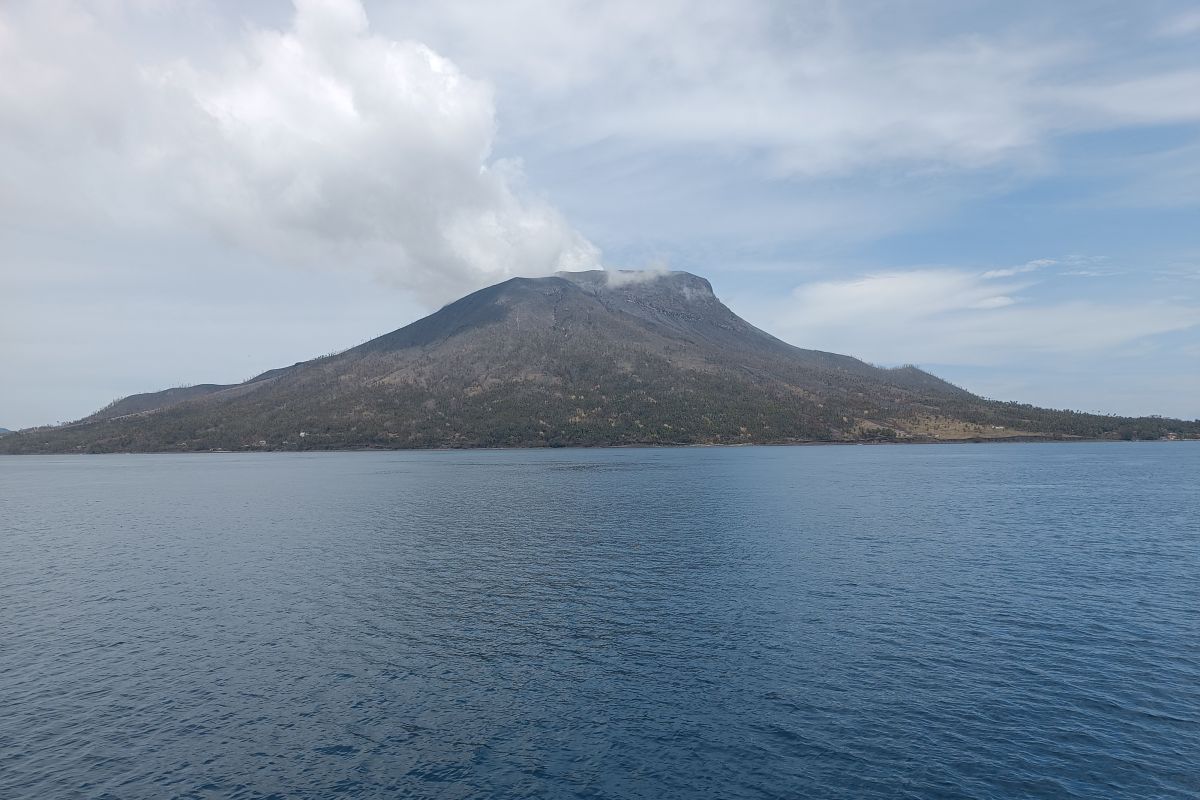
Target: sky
[1007, 195]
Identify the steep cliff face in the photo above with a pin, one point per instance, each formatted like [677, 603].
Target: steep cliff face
[583, 358]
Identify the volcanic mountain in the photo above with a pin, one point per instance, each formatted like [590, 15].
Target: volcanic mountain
[587, 358]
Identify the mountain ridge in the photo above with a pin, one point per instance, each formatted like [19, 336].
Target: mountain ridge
[588, 358]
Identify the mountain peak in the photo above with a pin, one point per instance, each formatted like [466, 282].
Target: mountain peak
[632, 280]
[600, 357]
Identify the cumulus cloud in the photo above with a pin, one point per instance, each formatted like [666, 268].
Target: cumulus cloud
[319, 143]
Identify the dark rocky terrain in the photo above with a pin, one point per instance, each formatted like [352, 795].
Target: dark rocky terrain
[590, 358]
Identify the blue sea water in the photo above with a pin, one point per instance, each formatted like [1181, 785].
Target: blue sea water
[967, 621]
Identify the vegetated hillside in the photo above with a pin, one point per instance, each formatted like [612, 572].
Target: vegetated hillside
[137, 403]
[591, 358]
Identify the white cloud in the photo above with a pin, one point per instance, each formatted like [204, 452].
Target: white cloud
[629, 277]
[1166, 97]
[804, 83]
[900, 297]
[330, 141]
[322, 143]
[811, 88]
[954, 316]
[1028, 266]
[714, 135]
[806, 125]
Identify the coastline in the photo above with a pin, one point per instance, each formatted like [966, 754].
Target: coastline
[1011, 440]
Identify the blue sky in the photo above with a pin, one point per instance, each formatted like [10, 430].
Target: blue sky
[1005, 194]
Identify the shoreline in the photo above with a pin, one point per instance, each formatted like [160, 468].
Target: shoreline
[1011, 440]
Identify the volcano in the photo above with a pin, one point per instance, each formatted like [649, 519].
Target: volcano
[586, 358]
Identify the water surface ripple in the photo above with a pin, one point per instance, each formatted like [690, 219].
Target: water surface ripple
[978, 621]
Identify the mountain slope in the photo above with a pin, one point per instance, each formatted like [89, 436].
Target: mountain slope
[138, 403]
[574, 359]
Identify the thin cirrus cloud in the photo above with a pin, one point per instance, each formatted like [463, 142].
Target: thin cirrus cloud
[1186, 24]
[812, 88]
[961, 317]
[801, 84]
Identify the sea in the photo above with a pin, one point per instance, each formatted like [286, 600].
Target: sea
[943, 621]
